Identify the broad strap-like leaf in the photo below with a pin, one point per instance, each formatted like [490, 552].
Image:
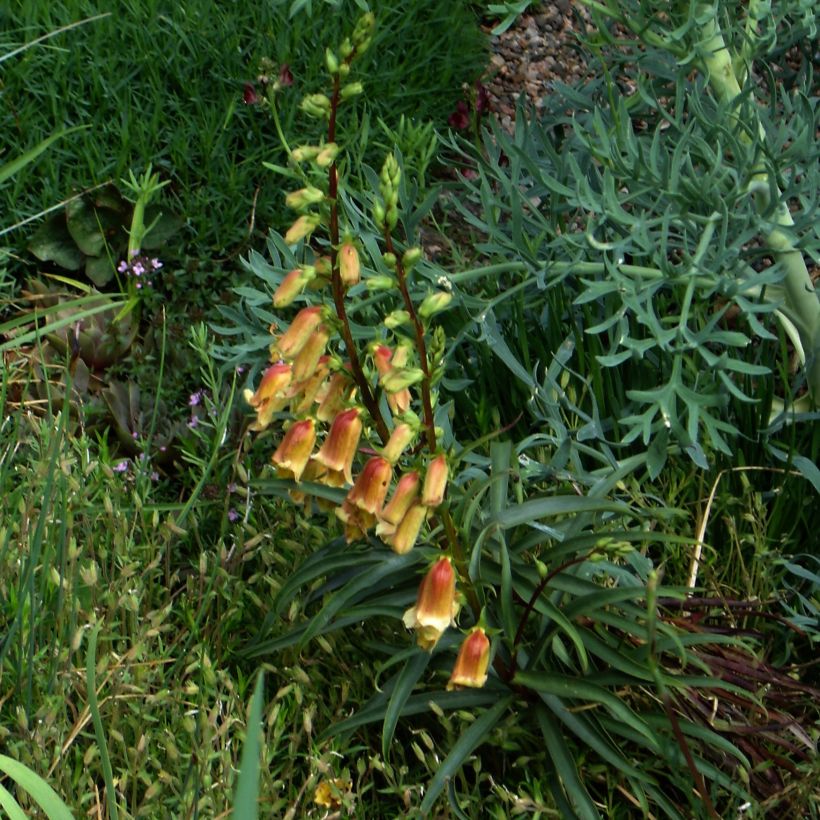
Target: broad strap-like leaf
[406, 680]
[564, 763]
[580, 689]
[37, 788]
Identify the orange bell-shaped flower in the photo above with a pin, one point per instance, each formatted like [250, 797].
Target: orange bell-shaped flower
[300, 330]
[436, 605]
[339, 449]
[472, 662]
[293, 454]
[370, 489]
[349, 266]
[435, 482]
[271, 396]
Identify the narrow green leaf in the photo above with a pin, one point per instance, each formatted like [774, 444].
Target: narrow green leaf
[246, 796]
[11, 168]
[475, 734]
[99, 732]
[368, 578]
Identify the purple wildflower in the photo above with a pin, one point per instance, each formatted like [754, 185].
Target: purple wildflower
[193, 422]
[233, 515]
[123, 266]
[121, 467]
[195, 398]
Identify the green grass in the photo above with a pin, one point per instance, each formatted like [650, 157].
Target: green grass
[162, 83]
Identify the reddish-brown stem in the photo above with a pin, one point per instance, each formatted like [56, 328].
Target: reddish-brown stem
[525, 616]
[421, 347]
[363, 384]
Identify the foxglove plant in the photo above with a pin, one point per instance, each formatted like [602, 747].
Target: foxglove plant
[559, 609]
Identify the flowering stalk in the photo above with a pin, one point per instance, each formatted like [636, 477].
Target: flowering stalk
[421, 347]
[337, 285]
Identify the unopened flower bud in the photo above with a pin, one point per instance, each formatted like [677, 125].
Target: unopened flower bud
[363, 33]
[304, 226]
[375, 283]
[401, 437]
[349, 266]
[410, 257]
[472, 662]
[304, 197]
[316, 105]
[346, 48]
[435, 482]
[291, 286]
[331, 61]
[323, 266]
[405, 494]
[293, 454]
[435, 607]
[389, 260]
[406, 534]
[351, 90]
[305, 364]
[305, 152]
[396, 319]
[326, 156]
[296, 336]
[378, 214]
[400, 378]
[435, 303]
